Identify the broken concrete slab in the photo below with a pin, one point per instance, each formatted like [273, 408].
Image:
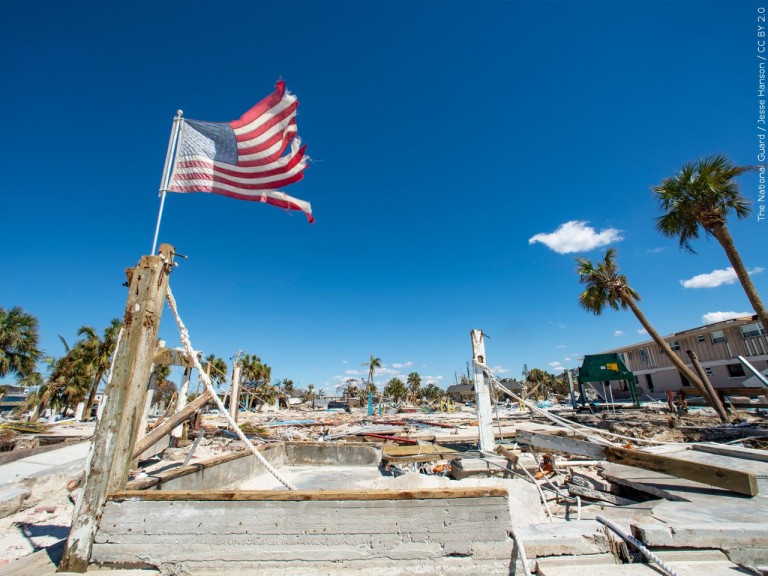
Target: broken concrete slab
[11, 500]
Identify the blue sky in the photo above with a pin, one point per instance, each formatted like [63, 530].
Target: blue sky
[444, 137]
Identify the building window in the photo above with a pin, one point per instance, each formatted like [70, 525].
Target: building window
[629, 355]
[643, 356]
[718, 336]
[752, 330]
[701, 338]
[675, 345]
[649, 381]
[735, 371]
[708, 371]
[684, 380]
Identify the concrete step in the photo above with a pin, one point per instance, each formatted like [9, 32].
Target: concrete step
[684, 562]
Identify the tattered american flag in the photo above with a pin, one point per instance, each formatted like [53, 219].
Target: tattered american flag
[244, 159]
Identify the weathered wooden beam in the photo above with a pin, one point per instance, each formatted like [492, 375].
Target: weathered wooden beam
[721, 477]
[170, 423]
[509, 454]
[116, 431]
[299, 495]
[734, 480]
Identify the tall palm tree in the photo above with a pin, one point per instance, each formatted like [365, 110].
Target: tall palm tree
[414, 385]
[18, 342]
[372, 364]
[701, 197]
[98, 352]
[607, 288]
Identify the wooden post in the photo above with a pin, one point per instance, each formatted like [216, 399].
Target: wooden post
[234, 398]
[482, 394]
[109, 459]
[714, 399]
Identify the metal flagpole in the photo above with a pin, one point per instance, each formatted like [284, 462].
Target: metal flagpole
[167, 172]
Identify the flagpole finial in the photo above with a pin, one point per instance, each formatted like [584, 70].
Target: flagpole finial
[179, 113]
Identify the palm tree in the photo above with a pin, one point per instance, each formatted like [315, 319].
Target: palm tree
[606, 287]
[395, 389]
[432, 392]
[351, 389]
[18, 342]
[701, 197]
[372, 364]
[541, 380]
[217, 371]
[414, 384]
[98, 352]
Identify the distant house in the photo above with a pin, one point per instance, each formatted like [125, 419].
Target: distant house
[716, 345]
[461, 392]
[12, 397]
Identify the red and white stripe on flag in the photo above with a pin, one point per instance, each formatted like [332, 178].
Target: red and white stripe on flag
[245, 159]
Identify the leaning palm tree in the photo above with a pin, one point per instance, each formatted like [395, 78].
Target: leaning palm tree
[372, 364]
[98, 352]
[701, 197]
[607, 288]
[18, 342]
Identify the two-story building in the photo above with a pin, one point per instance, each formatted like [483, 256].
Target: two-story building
[717, 347]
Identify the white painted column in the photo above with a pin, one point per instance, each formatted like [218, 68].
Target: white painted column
[234, 399]
[482, 393]
[181, 402]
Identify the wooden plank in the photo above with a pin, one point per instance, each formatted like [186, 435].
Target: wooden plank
[561, 444]
[298, 495]
[170, 423]
[509, 454]
[734, 480]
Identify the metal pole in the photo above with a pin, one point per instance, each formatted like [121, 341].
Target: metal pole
[172, 141]
[763, 379]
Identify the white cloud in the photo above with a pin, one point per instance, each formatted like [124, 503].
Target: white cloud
[403, 365]
[345, 361]
[576, 236]
[500, 370]
[618, 333]
[556, 366]
[642, 331]
[716, 278]
[561, 346]
[654, 250]
[712, 317]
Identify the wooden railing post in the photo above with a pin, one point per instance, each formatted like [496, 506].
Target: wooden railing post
[113, 441]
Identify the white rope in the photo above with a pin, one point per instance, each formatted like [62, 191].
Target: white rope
[520, 551]
[666, 568]
[184, 336]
